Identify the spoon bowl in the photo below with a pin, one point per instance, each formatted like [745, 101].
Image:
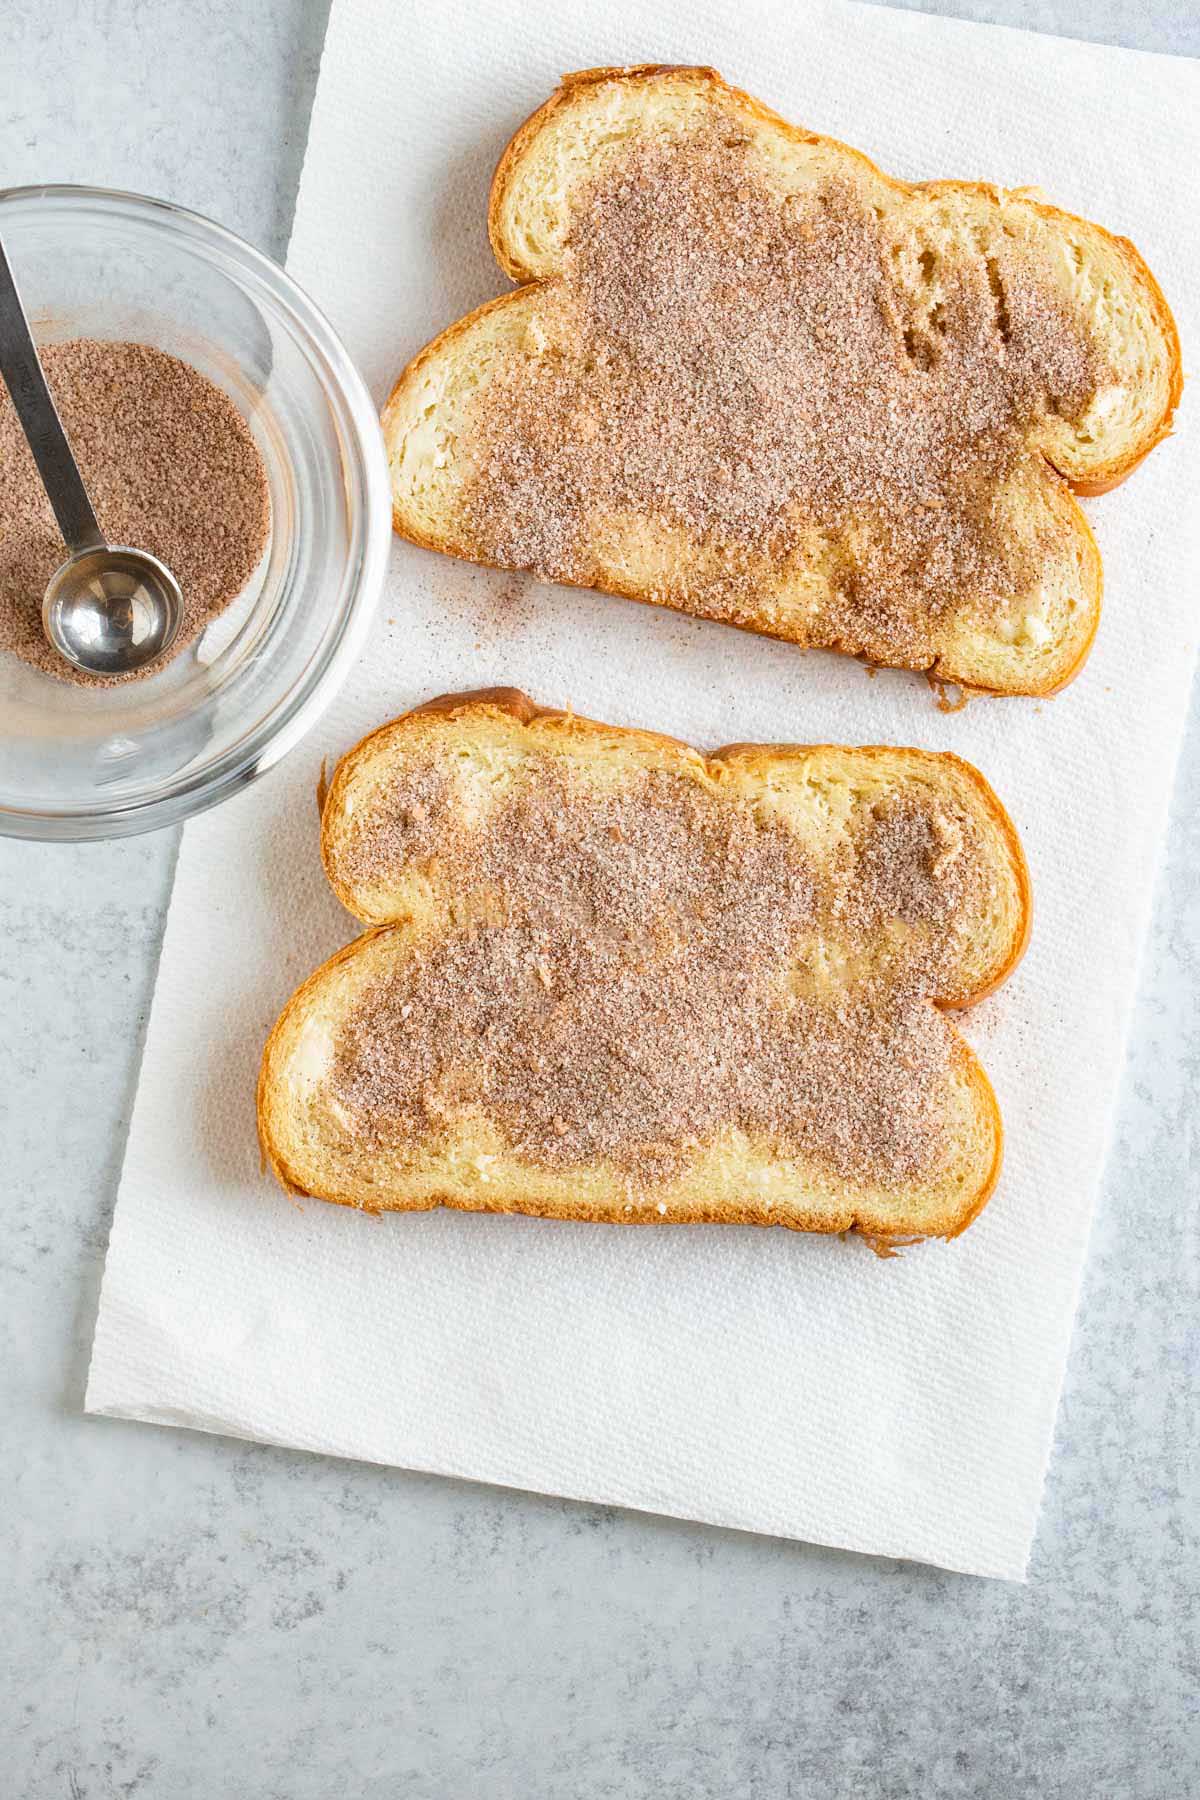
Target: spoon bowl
[110, 610]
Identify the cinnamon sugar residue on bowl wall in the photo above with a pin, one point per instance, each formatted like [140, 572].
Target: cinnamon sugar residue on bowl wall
[171, 467]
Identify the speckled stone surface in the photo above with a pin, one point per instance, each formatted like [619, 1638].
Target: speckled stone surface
[190, 1618]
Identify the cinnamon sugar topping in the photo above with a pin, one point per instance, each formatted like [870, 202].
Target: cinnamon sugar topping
[405, 823]
[647, 974]
[753, 370]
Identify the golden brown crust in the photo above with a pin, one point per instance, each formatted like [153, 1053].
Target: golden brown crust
[1106, 480]
[1087, 537]
[517, 705]
[276, 1162]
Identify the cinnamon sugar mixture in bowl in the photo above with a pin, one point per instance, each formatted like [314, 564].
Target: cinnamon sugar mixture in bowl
[221, 426]
[170, 467]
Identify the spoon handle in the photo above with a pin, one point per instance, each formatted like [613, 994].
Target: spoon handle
[34, 403]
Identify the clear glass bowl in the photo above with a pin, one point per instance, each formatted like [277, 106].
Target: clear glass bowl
[88, 762]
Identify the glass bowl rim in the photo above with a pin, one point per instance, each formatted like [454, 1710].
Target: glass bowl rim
[293, 714]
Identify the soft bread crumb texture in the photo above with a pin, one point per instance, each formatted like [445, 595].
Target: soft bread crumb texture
[609, 978]
[750, 376]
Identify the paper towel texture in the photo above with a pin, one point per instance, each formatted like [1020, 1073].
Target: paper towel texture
[750, 1378]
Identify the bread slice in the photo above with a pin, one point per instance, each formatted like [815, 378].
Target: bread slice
[749, 376]
[608, 978]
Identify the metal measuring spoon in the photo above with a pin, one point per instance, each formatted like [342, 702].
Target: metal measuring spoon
[108, 609]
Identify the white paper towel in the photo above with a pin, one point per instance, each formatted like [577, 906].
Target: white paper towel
[751, 1378]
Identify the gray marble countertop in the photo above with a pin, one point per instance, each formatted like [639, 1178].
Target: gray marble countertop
[192, 1617]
